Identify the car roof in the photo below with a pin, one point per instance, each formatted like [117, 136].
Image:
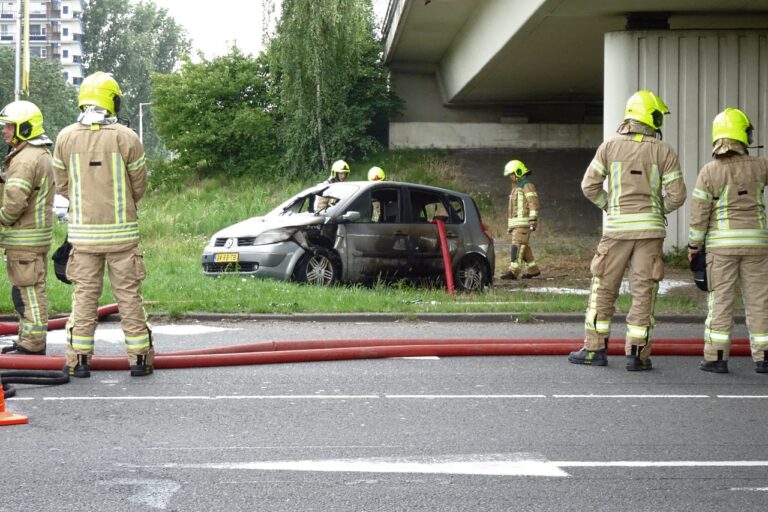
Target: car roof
[382, 184]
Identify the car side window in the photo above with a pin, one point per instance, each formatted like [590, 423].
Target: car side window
[457, 209]
[385, 205]
[363, 205]
[426, 206]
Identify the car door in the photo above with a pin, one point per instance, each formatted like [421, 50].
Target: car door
[426, 257]
[376, 245]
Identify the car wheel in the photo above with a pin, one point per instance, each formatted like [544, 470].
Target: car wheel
[319, 266]
[471, 274]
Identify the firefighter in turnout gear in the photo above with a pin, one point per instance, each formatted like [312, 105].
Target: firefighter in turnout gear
[728, 218]
[644, 183]
[100, 167]
[339, 172]
[522, 218]
[26, 221]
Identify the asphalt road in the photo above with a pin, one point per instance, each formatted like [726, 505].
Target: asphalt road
[481, 433]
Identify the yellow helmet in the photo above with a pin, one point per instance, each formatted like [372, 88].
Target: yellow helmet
[27, 118]
[101, 90]
[734, 124]
[517, 168]
[376, 174]
[339, 166]
[646, 107]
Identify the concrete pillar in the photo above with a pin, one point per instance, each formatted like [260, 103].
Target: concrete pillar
[697, 73]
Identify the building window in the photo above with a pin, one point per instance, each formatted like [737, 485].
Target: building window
[66, 76]
[65, 31]
[65, 9]
[65, 54]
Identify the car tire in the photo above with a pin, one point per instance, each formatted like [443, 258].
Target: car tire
[319, 266]
[471, 275]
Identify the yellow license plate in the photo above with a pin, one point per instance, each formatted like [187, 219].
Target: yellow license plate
[226, 257]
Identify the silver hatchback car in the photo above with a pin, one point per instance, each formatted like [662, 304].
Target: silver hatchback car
[359, 231]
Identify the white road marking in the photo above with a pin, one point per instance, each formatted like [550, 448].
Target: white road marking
[742, 396]
[450, 466]
[433, 397]
[495, 465]
[152, 493]
[660, 463]
[115, 336]
[756, 489]
[219, 397]
[630, 396]
[386, 396]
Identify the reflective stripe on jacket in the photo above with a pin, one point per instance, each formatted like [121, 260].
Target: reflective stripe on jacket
[523, 204]
[101, 169]
[728, 211]
[644, 183]
[27, 210]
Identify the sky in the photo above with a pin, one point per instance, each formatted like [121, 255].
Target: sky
[213, 31]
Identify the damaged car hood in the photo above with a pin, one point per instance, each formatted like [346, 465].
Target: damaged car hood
[257, 225]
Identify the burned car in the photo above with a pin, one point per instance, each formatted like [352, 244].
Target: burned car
[359, 231]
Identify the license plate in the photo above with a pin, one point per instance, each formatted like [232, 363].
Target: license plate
[226, 257]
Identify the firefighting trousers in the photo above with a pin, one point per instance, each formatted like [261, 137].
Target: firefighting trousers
[26, 273]
[522, 256]
[646, 269]
[126, 271]
[726, 273]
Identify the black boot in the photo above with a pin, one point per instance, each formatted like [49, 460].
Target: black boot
[21, 350]
[762, 366]
[718, 366]
[590, 357]
[81, 370]
[635, 364]
[140, 369]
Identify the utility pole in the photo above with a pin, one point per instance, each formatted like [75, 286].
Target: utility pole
[17, 77]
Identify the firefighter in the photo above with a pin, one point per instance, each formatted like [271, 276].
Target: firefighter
[26, 221]
[376, 174]
[728, 218]
[644, 184]
[100, 168]
[339, 172]
[522, 218]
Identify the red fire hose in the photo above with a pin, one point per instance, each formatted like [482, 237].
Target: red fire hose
[446, 255]
[273, 352]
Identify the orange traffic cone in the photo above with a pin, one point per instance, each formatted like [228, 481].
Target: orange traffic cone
[8, 418]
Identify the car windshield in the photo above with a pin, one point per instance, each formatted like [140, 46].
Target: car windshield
[323, 199]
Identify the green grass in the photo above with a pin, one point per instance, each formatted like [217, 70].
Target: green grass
[176, 224]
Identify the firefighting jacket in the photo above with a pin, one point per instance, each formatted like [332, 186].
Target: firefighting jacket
[644, 184]
[523, 204]
[101, 169]
[728, 210]
[26, 215]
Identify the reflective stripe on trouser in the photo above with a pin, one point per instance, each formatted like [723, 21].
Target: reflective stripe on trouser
[646, 269]
[724, 274]
[27, 272]
[126, 271]
[524, 259]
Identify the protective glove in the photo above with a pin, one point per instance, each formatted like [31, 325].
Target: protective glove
[533, 224]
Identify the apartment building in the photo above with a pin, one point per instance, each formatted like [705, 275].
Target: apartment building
[55, 32]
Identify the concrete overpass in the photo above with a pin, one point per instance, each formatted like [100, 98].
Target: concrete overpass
[556, 73]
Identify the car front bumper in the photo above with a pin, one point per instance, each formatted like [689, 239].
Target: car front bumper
[275, 261]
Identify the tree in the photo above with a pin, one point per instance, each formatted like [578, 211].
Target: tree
[131, 41]
[215, 115]
[331, 83]
[48, 90]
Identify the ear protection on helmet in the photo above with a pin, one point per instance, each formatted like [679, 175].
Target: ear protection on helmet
[25, 129]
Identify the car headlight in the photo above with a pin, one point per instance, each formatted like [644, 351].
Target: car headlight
[274, 236]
